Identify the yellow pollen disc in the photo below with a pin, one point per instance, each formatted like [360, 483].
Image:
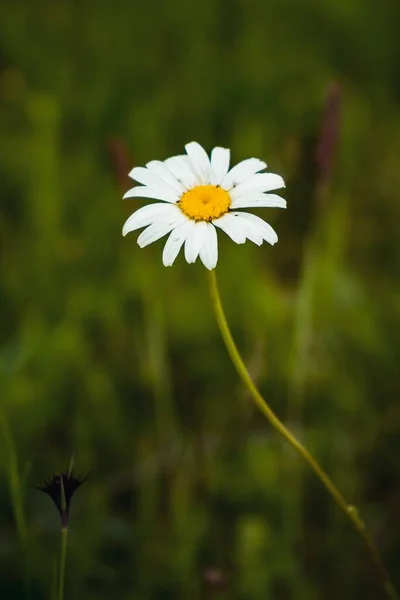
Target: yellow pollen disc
[205, 203]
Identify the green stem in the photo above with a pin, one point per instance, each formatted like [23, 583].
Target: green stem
[350, 511]
[63, 554]
[13, 473]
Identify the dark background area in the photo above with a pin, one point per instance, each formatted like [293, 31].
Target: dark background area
[106, 354]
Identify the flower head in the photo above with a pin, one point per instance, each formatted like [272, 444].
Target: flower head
[199, 194]
[61, 488]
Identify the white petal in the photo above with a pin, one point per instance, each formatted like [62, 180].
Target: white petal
[161, 170]
[261, 182]
[157, 230]
[242, 171]
[263, 229]
[151, 179]
[141, 191]
[231, 226]
[259, 200]
[143, 176]
[239, 229]
[253, 235]
[148, 214]
[181, 169]
[175, 242]
[195, 241]
[199, 161]
[219, 165]
[251, 231]
[209, 248]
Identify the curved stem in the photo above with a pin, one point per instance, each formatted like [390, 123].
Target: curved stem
[64, 535]
[350, 511]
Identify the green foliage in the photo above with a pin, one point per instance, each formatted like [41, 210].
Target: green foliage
[106, 354]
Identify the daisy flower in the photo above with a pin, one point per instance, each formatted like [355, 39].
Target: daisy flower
[198, 196]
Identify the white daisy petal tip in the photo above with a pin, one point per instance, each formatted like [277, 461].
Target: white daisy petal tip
[131, 173]
[220, 158]
[194, 146]
[259, 201]
[209, 248]
[127, 194]
[199, 195]
[199, 162]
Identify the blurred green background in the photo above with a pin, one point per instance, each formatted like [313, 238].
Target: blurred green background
[106, 354]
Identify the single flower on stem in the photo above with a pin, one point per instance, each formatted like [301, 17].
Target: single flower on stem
[198, 195]
[61, 487]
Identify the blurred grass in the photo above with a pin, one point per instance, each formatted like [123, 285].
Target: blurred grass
[106, 353]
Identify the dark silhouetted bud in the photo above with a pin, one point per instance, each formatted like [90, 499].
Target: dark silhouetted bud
[61, 488]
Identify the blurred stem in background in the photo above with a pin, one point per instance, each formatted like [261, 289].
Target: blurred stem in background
[322, 259]
[16, 493]
[350, 511]
[14, 482]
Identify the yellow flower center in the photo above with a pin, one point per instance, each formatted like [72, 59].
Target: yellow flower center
[205, 203]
